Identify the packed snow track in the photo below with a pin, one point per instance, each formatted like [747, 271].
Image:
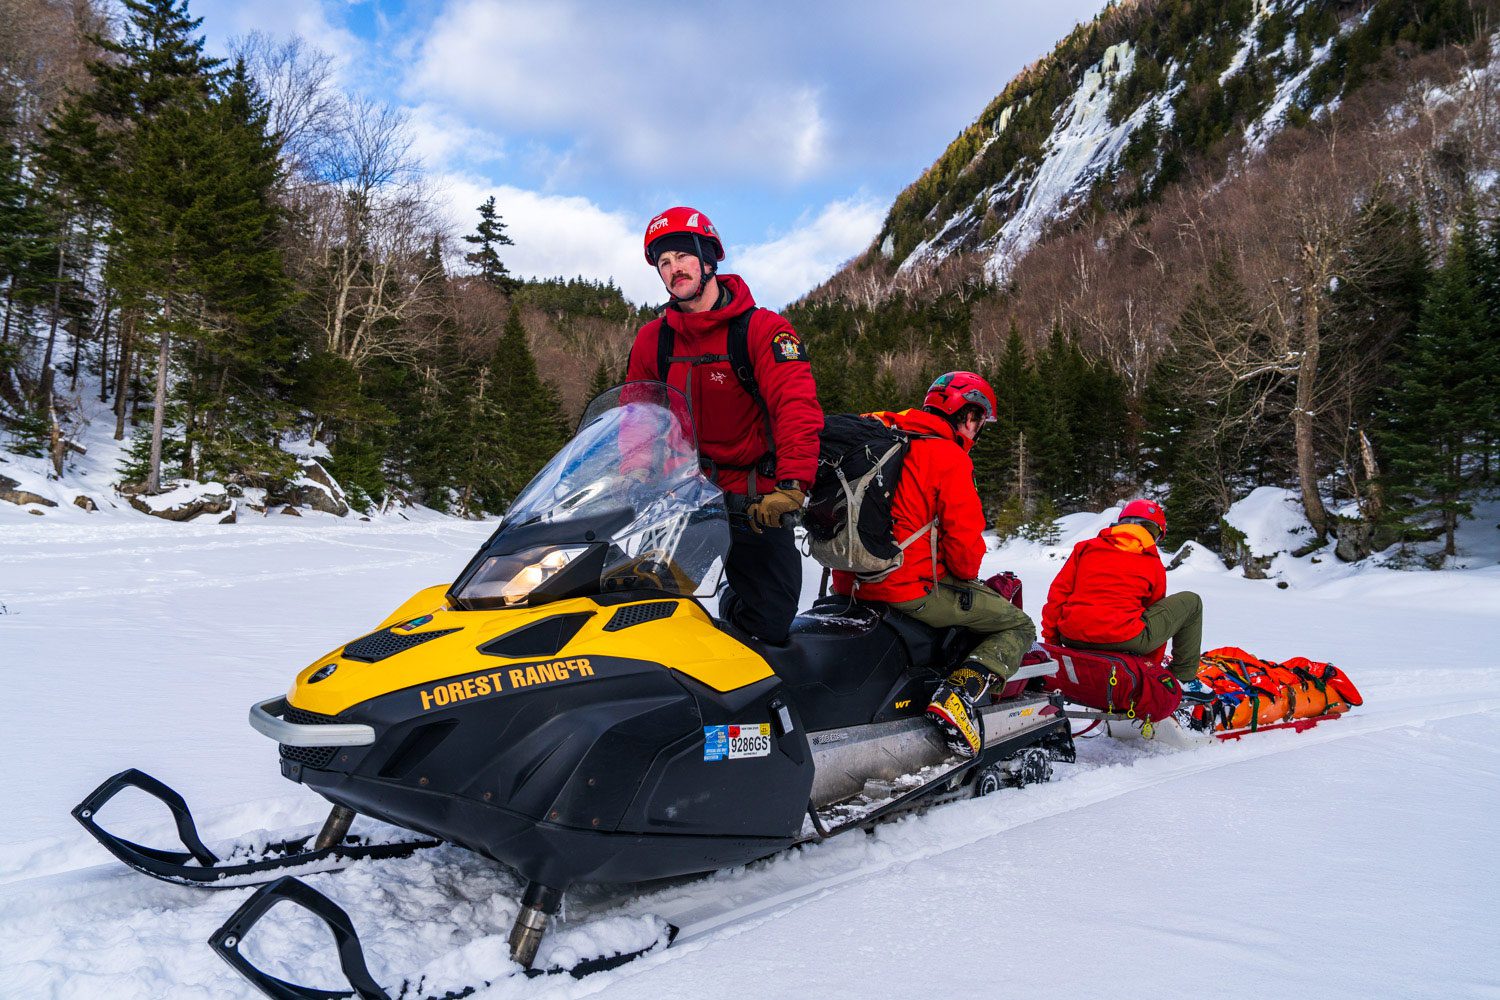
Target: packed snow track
[1353, 860]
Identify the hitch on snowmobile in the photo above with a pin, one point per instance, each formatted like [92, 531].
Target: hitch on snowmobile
[198, 866]
[226, 942]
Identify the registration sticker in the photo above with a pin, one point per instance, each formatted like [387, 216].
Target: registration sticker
[715, 742]
[737, 741]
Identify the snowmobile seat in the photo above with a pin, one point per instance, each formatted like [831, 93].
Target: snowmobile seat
[846, 661]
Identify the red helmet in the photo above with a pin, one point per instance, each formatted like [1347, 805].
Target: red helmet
[1145, 512]
[688, 223]
[953, 391]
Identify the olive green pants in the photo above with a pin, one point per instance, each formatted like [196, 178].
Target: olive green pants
[1008, 631]
[1178, 617]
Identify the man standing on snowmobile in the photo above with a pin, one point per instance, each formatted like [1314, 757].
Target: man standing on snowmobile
[755, 409]
[1111, 594]
[936, 501]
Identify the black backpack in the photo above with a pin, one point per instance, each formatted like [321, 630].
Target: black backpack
[848, 519]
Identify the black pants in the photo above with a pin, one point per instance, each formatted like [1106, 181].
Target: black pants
[765, 574]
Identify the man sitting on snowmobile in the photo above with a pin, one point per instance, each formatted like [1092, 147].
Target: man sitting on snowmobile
[1111, 594]
[747, 378]
[938, 586]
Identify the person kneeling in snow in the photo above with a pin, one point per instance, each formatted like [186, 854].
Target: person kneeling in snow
[936, 504]
[1111, 594]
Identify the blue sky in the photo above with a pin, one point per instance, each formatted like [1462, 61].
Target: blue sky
[792, 125]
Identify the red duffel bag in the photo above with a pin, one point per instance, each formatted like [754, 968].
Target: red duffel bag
[1133, 686]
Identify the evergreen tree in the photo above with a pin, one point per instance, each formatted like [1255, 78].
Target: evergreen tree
[532, 424]
[489, 234]
[603, 379]
[25, 246]
[1048, 421]
[1433, 423]
[238, 371]
[150, 108]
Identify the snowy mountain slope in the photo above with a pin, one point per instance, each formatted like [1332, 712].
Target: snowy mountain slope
[1102, 126]
[1197, 871]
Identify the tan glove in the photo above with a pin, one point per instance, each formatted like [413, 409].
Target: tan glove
[768, 510]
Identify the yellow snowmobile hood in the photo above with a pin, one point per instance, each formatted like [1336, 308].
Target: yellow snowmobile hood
[685, 641]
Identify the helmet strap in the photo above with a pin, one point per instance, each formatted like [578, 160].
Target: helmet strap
[704, 275]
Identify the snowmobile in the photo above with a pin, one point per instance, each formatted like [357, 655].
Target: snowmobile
[569, 708]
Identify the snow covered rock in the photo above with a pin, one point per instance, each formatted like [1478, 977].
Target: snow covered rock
[11, 492]
[1265, 524]
[83, 502]
[314, 488]
[184, 501]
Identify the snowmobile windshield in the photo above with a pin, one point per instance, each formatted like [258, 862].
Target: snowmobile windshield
[623, 506]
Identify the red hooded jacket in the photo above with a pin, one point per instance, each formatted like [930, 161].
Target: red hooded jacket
[937, 481]
[1105, 587]
[730, 427]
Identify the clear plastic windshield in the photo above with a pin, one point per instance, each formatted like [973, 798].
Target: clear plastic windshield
[623, 506]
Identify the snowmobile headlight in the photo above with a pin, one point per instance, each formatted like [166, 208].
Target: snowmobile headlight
[533, 575]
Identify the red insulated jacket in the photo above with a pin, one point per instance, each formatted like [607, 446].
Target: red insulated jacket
[1105, 587]
[937, 481]
[730, 427]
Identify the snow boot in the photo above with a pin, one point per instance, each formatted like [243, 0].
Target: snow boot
[953, 708]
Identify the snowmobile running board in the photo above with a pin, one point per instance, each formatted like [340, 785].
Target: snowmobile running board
[198, 866]
[226, 940]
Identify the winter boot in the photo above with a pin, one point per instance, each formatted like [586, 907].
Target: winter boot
[953, 708]
[1195, 692]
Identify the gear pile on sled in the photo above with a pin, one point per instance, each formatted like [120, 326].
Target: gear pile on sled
[1236, 692]
[1251, 694]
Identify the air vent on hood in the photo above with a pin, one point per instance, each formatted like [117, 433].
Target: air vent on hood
[544, 638]
[387, 642]
[637, 614]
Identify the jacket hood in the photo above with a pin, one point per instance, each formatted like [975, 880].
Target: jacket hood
[919, 421]
[1128, 537]
[690, 323]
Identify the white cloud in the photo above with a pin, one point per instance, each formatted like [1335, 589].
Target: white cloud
[784, 268]
[558, 236]
[285, 19]
[440, 140]
[622, 91]
[564, 236]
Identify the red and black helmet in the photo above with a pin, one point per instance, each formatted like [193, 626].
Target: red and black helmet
[685, 229]
[953, 391]
[1147, 513]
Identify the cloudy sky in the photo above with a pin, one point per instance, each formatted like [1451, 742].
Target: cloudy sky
[793, 125]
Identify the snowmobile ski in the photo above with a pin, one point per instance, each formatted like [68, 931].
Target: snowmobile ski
[200, 867]
[227, 939]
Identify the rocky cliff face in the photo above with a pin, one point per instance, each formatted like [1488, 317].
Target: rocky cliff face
[1123, 105]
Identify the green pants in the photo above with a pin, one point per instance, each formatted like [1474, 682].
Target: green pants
[1179, 618]
[1008, 631]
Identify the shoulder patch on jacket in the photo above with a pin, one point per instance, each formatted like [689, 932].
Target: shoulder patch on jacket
[787, 346]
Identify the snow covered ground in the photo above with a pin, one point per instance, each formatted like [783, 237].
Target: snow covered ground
[1354, 860]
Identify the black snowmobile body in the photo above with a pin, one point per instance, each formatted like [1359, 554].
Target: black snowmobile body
[569, 708]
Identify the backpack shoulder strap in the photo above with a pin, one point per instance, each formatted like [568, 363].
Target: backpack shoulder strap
[738, 348]
[666, 338]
